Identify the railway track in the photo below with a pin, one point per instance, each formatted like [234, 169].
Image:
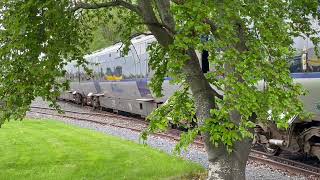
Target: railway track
[103, 114]
[171, 134]
[287, 165]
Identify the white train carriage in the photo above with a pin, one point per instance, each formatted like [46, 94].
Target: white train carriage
[118, 82]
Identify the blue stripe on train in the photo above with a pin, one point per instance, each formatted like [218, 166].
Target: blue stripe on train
[293, 75]
[143, 88]
[305, 75]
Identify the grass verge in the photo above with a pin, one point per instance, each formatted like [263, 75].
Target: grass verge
[47, 149]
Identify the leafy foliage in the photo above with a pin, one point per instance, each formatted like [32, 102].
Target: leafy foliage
[37, 39]
[249, 42]
[179, 110]
[158, 62]
[103, 36]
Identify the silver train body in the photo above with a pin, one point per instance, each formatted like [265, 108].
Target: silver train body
[120, 83]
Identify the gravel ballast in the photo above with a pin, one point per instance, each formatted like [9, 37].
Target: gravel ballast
[253, 171]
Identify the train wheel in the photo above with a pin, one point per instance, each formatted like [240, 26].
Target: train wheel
[95, 102]
[173, 126]
[272, 150]
[78, 98]
[89, 101]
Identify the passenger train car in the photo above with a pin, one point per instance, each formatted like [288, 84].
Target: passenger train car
[120, 83]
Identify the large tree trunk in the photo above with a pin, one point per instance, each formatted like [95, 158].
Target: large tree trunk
[222, 165]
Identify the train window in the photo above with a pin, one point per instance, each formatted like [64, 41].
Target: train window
[109, 72]
[315, 68]
[118, 71]
[313, 61]
[307, 62]
[296, 65]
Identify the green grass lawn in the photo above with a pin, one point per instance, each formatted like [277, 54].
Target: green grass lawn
[46, 149]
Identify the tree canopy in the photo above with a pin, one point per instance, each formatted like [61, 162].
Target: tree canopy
[249, 42]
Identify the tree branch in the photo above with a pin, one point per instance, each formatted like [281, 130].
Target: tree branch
[178, 1]
[159, 25]
[159, 30]
[212, 25]
[163, 7]
[114, 3]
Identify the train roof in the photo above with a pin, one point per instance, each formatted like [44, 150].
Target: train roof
[117, 46]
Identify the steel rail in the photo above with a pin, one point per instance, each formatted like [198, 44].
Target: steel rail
[285, 164]
[104, 114]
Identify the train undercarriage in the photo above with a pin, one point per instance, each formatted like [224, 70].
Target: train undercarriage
[301, 137]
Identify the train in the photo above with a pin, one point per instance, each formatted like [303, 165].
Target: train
[120, 83]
